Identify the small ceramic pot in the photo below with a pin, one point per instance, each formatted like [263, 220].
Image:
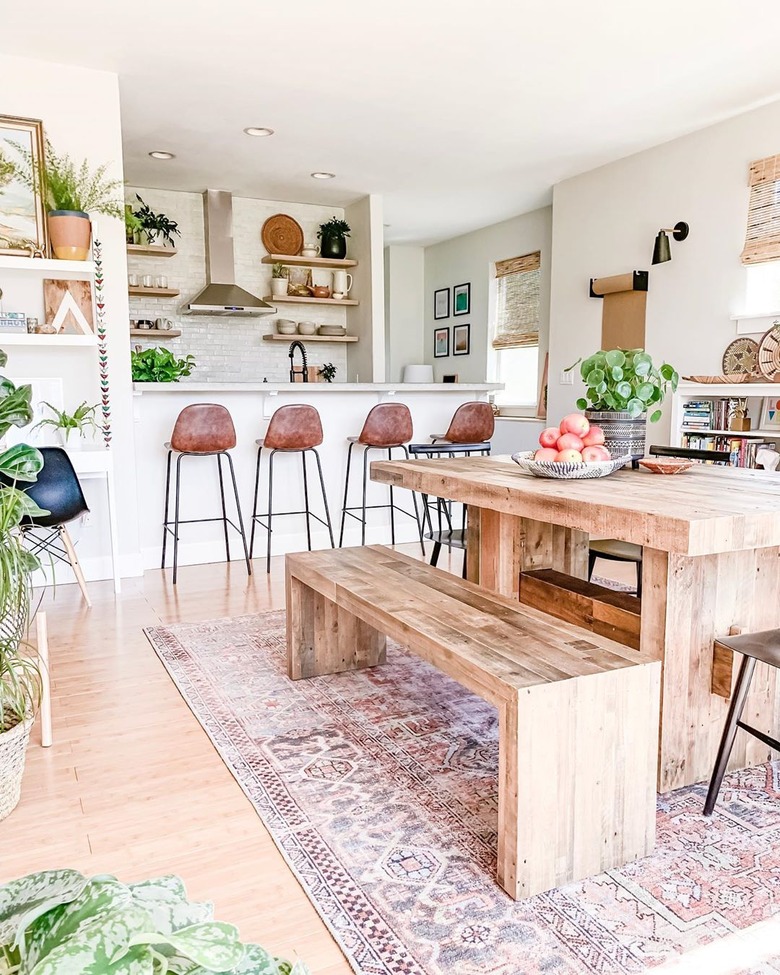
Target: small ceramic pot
[321, 291]
[70, 233]
[310, 250]
[279, 287]
[307, 328]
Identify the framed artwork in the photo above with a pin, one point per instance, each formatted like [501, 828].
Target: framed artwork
[441, 303]
[461, 339]
[461, 299]
[770, 413]
[450, 378]
[22, 217]
[441, 342]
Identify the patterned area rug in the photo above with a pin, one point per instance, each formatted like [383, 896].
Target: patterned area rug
[380, 790]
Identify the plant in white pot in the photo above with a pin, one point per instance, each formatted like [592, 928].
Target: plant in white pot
[81, 421]
[279, 280]
[19, 676]
[622, 385]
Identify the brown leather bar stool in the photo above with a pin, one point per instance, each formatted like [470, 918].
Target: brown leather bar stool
[202, 430]
[763, 646]
[387, 427]
[294, 429]
[471, 423]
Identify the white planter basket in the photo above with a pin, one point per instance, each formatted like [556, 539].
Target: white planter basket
[13, 751]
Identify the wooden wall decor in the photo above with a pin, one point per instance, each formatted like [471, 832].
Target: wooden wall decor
[68, 305]
[625, 304]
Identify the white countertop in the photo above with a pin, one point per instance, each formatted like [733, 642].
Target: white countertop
[140, 388]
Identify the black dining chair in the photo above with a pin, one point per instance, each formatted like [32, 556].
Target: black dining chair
[58, 492]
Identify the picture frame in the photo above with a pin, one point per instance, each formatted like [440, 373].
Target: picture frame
[441, 304]
[770, 413]
[451, 377]
[23, 229]
[461, 339]
[461, 299]
[441, 342]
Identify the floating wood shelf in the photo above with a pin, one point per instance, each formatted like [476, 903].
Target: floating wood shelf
[152, 292]
[295, 260]
[150, 250]
[56, 338]
[294, 300]
[309, 338]
[160, 333]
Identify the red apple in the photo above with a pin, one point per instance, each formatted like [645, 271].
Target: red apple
[575, 423]
[549, 437]
[594, 437]
[569, 441]
[569, 456]
[594, 453]
[546, 453]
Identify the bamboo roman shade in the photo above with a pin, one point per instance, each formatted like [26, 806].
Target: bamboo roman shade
[517, 309]
[763, 231]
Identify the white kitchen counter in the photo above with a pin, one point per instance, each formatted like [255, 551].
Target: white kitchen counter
[315, 387]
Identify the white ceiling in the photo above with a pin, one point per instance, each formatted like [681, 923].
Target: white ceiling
[459, 112]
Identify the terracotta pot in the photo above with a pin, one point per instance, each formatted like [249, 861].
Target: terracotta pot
[70, 234]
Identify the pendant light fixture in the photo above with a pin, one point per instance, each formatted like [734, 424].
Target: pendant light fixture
[662, 252]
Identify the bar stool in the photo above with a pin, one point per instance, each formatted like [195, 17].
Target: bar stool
[294, 429]
[763, 646]
[387, 427]
[201, 430]
[472, 423]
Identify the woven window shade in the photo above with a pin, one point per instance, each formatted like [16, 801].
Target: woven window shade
[517, 311]
[763, 232]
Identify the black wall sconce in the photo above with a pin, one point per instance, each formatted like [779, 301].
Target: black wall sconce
[662, 252]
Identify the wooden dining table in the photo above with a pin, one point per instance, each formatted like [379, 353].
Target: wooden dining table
[711, 566]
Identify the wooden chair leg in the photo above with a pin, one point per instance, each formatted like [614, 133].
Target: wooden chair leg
[730, 731]
[74, 562]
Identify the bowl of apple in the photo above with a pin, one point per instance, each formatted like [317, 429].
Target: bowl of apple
[574, 449]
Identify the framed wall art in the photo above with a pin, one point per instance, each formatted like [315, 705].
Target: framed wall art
[461, 339]
[22, 217]
[441, 303]
[770, 413]
[441, 343]
[461, 299]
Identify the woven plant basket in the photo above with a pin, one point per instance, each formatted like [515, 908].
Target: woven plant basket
[13, 751]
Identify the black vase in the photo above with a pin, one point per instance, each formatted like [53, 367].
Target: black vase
[333, 248]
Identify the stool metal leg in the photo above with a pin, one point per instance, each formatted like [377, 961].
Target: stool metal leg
[165, 515]
[420, 525]
[324, 497]
[730, 731]
[365, 485]
[270, 508]
[306, 499]
[392, 503]
[224, 509]
[435, 553]
[176, 520]
[254, 505]
[238, 512]
[592, 556]
[346, 491]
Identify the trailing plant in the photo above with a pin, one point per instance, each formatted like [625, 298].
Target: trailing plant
[625, 380]
[156, 365]
[59, 922]
[334, 228]
[328, 372]
[80, 420]
[156, 224]
[279, 271]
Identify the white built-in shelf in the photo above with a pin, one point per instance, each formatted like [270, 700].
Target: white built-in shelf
[158, 333]
[309, 338]
[295, 260]
[150, 250]
[746, 434]
[295, 300]
[755, 323]
[11, 338]
[41, 265]
[141, 292]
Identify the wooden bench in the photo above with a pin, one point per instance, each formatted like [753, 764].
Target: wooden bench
[578, 713]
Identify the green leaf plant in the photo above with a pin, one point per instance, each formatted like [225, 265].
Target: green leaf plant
[156, 365]
[79, 421]
[626, 381]
[59, 922]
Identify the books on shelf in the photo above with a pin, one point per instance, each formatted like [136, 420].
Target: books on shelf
[743, 450]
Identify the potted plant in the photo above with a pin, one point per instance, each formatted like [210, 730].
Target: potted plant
[70, 194]
[333, 239]
[328, 372]
[279, 280]
[132, 225]
[622, 385]
[59, 921]
[79, 421]
[155, 227]
[156, 365]
[20, 684]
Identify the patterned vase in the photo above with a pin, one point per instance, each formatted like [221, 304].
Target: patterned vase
[623, 433]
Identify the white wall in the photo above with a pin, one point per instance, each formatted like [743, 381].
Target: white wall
[366, 358]
[605, 221]
[404, 308]
[470, 258]
[81, 116]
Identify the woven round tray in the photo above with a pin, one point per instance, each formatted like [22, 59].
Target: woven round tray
[741, 356]
[282, 235]
[769, 353]
[566, 470]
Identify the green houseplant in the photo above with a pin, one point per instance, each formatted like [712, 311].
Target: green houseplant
[279, 280]
[622, 385]
[59, 922]
[333, 239]
[79, 421]
[155, 227]
[133, 225]
[156, 365]
[328, 372]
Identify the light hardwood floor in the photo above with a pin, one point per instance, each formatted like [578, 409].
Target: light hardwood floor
[132, 785]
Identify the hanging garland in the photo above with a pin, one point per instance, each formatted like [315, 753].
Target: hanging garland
[105, 396]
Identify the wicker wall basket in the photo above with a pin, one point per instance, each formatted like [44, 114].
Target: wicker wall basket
[623, 433]
[13, 750]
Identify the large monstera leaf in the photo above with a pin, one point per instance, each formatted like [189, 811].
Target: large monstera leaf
[24, 900]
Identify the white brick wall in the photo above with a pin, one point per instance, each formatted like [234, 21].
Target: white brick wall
[230, 349]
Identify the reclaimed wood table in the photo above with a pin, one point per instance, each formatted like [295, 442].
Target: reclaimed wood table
[711, 566]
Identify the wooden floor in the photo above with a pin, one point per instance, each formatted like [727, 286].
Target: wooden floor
[132, 785]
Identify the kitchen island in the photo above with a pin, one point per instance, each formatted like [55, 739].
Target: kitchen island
[342, 407]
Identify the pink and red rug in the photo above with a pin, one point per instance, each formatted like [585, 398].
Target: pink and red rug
[380, 790]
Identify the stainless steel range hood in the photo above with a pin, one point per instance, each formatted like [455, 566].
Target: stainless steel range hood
[222, 296]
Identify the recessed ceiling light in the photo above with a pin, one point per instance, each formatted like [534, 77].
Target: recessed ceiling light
[323, 175]
[161, 154]
[258, 131]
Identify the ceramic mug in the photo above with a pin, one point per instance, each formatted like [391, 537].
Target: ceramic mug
[161, 281]
[163, 324]
[342, 282]
[144, 323]
[148, 280]
[132, 280]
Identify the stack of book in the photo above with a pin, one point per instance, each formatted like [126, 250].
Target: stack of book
[697, 414]
[743, 450]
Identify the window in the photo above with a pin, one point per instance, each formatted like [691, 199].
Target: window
[516, 330]
[763, 231]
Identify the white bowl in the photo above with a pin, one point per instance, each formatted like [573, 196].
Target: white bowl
[566, 470]
[307, 328]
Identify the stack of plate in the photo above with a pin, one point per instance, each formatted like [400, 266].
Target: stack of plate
[332, 330]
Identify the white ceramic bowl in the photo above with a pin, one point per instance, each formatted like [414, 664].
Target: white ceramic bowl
[286, 326]
[307, 328]
[566, 470]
